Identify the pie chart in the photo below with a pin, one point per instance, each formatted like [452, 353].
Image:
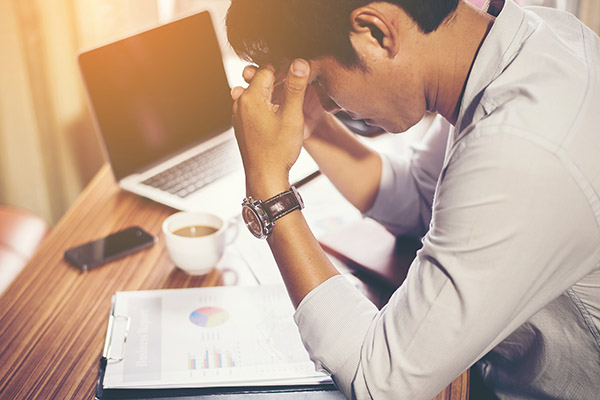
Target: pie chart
[209, 317]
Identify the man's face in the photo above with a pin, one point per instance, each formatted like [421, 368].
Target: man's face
[392, 101]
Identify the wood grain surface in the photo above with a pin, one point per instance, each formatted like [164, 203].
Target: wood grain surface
[53, 317]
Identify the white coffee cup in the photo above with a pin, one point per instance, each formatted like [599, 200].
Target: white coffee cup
[197, 255]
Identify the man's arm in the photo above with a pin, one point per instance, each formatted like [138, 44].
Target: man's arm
[492, 258]
[395, 190]
[353, 168]
[408, 182]
[270, 138]
[343, 158]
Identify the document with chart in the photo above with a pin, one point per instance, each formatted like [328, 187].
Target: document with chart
[206, 337]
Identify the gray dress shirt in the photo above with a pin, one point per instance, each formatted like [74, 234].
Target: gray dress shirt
[509, 205]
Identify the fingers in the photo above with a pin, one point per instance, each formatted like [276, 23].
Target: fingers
[236, 92]
[249, 72]
[295, 86]
[262, 86]
[262, 82]
[278, 93]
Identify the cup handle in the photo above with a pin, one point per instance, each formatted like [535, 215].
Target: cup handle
[231, 231]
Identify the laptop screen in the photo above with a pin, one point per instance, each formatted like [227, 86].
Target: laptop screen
[158, 92]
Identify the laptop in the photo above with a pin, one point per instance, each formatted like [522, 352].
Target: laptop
[162, 105]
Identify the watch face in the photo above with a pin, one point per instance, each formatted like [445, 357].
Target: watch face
[252, 221]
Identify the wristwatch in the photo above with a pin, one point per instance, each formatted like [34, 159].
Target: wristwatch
[260, 216]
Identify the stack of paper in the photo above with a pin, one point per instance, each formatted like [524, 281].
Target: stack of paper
[206, 337]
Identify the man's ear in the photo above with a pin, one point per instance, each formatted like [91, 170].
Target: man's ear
[376, 27]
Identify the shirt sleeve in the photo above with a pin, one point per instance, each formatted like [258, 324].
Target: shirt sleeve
[407, 184]
[500, 247]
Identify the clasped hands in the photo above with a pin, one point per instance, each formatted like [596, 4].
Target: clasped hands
[270, 133]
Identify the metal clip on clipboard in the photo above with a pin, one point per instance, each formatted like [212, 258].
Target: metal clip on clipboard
[107, 352]
[118, 329]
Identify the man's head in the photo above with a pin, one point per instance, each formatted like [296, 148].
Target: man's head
[268, 31]
[385, 62]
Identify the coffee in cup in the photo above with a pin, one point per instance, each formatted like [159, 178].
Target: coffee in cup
[196, 240]
[196, 230]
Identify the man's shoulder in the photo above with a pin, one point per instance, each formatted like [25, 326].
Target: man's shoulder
[543, 78]
[548, 88]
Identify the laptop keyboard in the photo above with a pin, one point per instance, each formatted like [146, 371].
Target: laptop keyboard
[188, 176]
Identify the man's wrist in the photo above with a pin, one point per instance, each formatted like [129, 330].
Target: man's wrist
[260, 215]
[266, 188]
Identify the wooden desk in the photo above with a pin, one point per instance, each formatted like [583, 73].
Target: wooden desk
[53, 317]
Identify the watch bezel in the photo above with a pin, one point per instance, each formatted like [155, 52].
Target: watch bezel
[255, 206]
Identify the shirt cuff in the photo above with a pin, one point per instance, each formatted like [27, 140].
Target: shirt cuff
[332, 331]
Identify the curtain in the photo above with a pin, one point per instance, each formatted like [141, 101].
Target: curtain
[49, 149]
[48, 146]
[589, 12]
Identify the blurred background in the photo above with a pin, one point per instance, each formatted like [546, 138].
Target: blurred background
[49, 149]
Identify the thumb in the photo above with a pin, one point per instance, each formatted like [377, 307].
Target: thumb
[295, 86]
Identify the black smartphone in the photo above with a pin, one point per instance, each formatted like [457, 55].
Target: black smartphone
[113, 246]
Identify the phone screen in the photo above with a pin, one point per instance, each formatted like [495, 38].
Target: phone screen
[113, 246]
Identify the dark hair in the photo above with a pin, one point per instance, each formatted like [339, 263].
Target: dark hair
[268, 31]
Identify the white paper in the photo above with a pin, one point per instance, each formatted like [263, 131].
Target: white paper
[206, 337]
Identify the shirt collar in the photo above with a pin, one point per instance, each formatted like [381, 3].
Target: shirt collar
[496, 51]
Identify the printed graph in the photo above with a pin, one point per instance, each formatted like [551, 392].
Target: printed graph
[209, 317]
[210, 359]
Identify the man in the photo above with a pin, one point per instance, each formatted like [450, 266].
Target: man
[507, 202]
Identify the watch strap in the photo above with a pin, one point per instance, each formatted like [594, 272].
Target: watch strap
[283, 204]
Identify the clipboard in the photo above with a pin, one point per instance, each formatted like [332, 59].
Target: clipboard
[324, 392]
[118, 331]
